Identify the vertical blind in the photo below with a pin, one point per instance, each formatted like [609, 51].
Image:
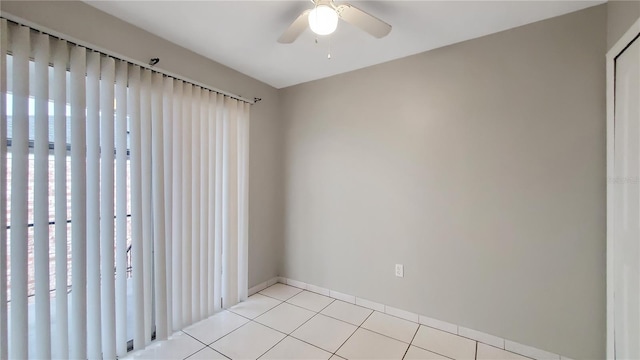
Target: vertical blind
[123, 201]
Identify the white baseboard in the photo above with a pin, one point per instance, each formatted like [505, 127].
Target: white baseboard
[319, 290]
[482, 337]
[439, 324]
[344, 297]
[370, 304]
[529, 351]
[479, 336]
[402, 314]
[262, 286]
[298, 284]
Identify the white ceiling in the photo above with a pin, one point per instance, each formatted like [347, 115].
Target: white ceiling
[243, 34]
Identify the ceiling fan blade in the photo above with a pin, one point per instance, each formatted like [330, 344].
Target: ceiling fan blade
[295, 29]
[364, 21]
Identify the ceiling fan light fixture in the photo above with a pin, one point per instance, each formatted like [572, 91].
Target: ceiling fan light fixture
[323, 20]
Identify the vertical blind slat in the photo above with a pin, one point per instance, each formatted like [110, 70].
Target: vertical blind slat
[195, 203]
[167, 117]
[186, 205]
[78, 204]
[219, 200]
[41, 197]
[226, 287]
[4, 332]
[211, 202]
[107, 203]
[243, 202]
[60, 60]
[19, 160]
[204, 208]
[176, 213]
[230, 210]
[19, 155]
[145, 137]
[94, 329]
[121, 207]
[133, 108]
[159, 259]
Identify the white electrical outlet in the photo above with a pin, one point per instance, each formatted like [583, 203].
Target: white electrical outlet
[399, 270]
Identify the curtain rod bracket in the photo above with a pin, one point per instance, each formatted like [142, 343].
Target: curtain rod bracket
[154, 61]
[256, 100]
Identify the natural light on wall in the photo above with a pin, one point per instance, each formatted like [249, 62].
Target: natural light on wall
[123, 199]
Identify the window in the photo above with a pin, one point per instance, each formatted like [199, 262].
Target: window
[148, 238]
[51, 190]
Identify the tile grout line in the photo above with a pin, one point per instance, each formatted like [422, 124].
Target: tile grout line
[232, 331]
[289, 335]
[205, 346]
[288, 303]
[340, 347]
[281, 302]
[316, 314]
[357, 326]
[194, 338]
[262, 313]
[335, 318]
[306, 321]
[333, 300]
[274, 345]
[373, 331]
[289, 298]
[385, 335]
[457, 326]
[476, 355]
[254, 321]
[435, 352]
[329, 316]
[280, 331]
[301, 307]
[411, 342]
[308, 343]
[364, 328]
[319, 313]
[216, 351]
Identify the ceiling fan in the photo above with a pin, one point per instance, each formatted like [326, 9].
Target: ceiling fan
[323, 20]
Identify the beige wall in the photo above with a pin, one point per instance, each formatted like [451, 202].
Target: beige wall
[85, 23]
[479, 166]
[621, 14]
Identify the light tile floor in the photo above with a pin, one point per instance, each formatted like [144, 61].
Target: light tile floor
[284, 322]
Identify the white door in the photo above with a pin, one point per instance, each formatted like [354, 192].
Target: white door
[624, 189]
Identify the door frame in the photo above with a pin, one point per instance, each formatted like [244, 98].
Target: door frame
[612, 54]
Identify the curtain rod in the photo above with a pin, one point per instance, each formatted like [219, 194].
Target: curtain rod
[44, 30]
